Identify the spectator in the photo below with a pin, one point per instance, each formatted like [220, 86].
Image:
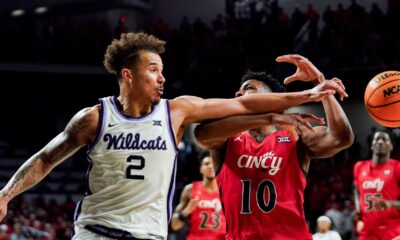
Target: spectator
[324, 232]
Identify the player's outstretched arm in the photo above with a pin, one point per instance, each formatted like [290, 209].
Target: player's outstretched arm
[188, 109]
[325, 141]
[79, 131]
[212, 135]
[185, 207]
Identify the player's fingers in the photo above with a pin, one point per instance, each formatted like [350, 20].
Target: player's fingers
[312, 118]
[287, 58]
[342, 93]
[290, 79]
[338, 81]
[305, 123]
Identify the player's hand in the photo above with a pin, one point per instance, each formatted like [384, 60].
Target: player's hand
[297, 121]
[306, 71]
[327, 88]
[3, 208]
[192, 205]
[382, 204]
[359, 226]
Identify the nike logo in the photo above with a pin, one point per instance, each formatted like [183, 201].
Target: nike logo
[112, 125]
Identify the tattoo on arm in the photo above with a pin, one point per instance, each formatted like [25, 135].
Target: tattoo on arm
[60, 148]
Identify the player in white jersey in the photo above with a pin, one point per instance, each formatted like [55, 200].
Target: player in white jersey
[132, 140]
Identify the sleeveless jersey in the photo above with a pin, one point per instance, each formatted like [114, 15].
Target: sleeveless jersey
[131, 175]
[374, 182]
[207, 222]
[262, 188]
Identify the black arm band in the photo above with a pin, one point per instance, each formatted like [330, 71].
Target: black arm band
[181, 217]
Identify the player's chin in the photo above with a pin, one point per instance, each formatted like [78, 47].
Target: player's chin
[156, 100]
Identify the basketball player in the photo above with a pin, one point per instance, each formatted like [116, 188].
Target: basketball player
[261, 170]
[132, 142]
[377, 190]
[200, 205]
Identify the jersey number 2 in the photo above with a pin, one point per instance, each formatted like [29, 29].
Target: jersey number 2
[137, 164]
[263, 186]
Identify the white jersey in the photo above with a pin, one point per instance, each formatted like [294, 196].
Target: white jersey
[131, 175]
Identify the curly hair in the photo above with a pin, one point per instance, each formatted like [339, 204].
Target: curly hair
[123, 52]
[270, 81]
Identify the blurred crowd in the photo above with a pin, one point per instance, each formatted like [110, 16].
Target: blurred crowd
[36, 219]
[250, 35]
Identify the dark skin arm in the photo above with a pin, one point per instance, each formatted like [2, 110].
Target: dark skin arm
[326, 141]
[80, 131]
[185, 207]
[188, 109]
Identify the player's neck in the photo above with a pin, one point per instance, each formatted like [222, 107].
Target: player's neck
[210, 184]
[259, 134]
[380, 159]
[133, 106]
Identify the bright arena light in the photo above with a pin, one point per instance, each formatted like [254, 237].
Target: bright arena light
[40, 10]
[18, 12]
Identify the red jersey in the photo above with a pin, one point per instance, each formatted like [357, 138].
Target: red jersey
[374, 182]
[262, 188]
[207, 222]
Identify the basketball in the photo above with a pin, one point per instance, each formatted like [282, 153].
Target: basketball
[382, 98]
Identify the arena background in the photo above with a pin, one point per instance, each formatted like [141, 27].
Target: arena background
[51, 55]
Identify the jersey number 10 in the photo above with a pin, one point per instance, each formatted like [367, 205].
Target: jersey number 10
[263, 186]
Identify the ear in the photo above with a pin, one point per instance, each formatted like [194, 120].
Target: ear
[126, 75]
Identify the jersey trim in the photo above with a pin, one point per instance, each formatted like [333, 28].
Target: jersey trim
[100, 125]
[126, 117]
[87, 192]
[171, 192]
[90, 161]
[171, 130]
[78, 210]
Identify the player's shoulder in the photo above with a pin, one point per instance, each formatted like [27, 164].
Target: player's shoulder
[188, 188]
[185, 100]
[360, 164]
[87, 116]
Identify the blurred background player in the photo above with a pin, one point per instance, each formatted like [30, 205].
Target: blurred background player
[201, 207]
[377, 190]
[324, 230]
[261, 169]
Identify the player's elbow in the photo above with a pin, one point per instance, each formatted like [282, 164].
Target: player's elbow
[202, 136]
[345, 138]
[340, 143]
[205, 140]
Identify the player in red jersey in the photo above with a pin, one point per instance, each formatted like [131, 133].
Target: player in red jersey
[201, 206]
[262, 170]
[377, 190]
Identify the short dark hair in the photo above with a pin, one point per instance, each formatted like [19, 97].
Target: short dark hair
[123, 52]
[391, 137]
[270, 81]
[203, 155]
